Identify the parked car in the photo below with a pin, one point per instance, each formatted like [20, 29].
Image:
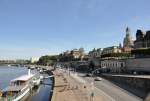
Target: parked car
[98, 79]
[88, 75]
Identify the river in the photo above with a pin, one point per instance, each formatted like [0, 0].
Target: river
[9, 73]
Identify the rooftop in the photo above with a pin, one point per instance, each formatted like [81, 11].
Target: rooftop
[13, 88]
[23, 78]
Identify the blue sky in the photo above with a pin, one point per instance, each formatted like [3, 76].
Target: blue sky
[38, 27]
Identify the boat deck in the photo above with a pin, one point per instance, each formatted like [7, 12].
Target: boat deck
[14, 88]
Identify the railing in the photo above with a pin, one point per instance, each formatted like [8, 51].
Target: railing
[10, 98]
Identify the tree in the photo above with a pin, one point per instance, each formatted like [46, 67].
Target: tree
[47, 60]
[91, 65]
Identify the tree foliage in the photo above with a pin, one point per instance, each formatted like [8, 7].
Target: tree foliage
[47, 60]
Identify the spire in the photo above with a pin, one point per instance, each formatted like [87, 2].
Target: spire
[120, 46]
[127, 31]
[128, 42]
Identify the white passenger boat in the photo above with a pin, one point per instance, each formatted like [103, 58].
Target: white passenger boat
[19, 88]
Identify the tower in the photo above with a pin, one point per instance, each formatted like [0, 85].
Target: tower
[120, 46]
[128, 42]
[127, 31]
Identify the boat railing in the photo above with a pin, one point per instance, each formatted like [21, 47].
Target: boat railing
[10, 98]
[13, 96]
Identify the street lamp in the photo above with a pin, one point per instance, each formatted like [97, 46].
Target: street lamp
[92, 84]
[92, 93]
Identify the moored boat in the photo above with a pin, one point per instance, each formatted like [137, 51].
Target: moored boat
[19, 88]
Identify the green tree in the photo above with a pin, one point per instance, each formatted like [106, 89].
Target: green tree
[47, 60]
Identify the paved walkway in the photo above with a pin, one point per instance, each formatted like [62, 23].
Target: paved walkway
[131, 76]
[68, 89]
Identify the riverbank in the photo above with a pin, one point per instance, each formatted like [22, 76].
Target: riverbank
[52, 85]
[43, 91]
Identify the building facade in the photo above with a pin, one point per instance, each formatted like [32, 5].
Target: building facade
[114, 66]
[95, 53]
[142, 39]
[34, 59]
[113, 49]
[75, 54]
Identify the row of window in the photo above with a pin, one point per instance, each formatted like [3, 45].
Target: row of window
[108, 64]
[95, 54]
[112, 51]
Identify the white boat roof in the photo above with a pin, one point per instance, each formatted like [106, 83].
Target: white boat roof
[23, 78]
[13, 88]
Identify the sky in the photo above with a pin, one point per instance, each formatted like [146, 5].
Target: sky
[32, 28]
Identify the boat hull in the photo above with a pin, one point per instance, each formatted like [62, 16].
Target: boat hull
[23, 96]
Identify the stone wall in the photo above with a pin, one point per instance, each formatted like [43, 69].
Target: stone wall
[138, 86]
[142, 64]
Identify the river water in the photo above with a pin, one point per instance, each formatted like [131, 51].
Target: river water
[9, 73]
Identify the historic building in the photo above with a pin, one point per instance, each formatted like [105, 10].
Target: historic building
[128, 42]
[142, 39]
[75, 54]
[112, 49]
[95, 53]
[115, 66]
[34, 59]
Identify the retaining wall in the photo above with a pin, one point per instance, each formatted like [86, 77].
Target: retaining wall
[138, 86]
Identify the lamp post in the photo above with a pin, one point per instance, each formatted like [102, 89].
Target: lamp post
[92, 84]
[92, 93]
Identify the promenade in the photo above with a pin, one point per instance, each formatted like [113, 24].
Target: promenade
[69, 89]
